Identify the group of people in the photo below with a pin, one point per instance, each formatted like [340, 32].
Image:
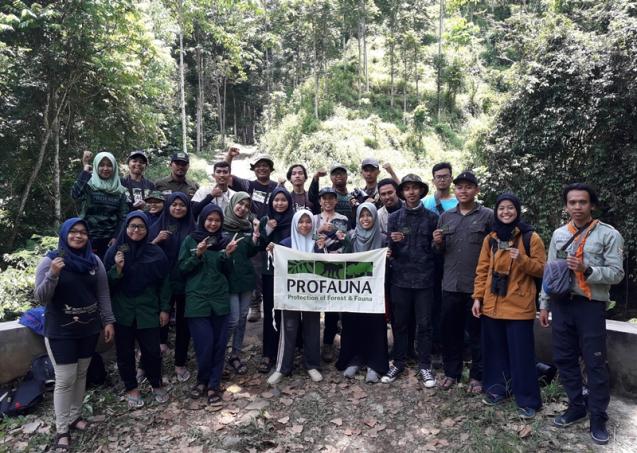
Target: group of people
[139, 251]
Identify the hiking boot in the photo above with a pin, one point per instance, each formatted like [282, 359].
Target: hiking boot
[427, 378]
[599, 433]
[328, 352]
[391, 375]
[574, 414]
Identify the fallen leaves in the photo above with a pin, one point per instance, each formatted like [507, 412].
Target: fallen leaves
[32, 427]
[337, 421]
[525, 432]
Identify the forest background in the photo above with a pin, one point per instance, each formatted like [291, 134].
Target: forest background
[531, 94]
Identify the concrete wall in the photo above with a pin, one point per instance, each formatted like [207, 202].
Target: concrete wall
[621, 341]
[19, 346]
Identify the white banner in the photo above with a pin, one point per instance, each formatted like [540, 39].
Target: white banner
[349, 282]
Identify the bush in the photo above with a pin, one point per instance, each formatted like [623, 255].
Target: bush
[18, 279]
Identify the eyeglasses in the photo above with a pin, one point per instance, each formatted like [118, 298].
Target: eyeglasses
[442, 176]
[78, 232]
[137, 226]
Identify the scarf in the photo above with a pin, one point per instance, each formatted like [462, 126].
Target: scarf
[145, 264]
[505, 231]
[300, 242]
[283, 219]
[232, 222]
[79, 261]
[367, 239]
[180, 228]
[111, 185]
[216, 241]
[580, 241]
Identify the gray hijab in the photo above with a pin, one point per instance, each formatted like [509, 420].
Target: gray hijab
[371, 239]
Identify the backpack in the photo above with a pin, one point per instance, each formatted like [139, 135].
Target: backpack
[22, 399]
[42, 370]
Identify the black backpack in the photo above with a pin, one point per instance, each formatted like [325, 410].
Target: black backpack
[22, 399]
[42, 370]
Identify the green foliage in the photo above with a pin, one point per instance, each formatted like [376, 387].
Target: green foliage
[17, 280]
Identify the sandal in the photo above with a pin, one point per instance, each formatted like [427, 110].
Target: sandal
[265, 366]
[56, 442]
[74, 424]
[475, 387]
[237, 365]
[213, 397]
[134, 402]
[197, 391]
[448, 382]
[182, 376]
[161, 395]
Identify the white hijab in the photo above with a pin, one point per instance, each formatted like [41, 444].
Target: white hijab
[300, 242]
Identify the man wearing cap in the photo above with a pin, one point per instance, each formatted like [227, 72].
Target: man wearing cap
[412, 265]
[137, 187]
[370, 169]
[297, 175]
[338, 175]
[176, 181]
[459, 237]
[218, 193]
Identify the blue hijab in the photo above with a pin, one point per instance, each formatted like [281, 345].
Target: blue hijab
[218, 242]
[180, 228]
[79, 261]
[145, 264]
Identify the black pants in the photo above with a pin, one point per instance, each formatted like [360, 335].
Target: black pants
[456, 316]
[330, 329]
[509, 360]
[70, 350]
[579, 329]
[148, 340]
[436, 312]
[270, 334]
[182, 333]
[100, 246]
[404, 300]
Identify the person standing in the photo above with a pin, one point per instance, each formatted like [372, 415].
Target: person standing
[218, 193]
[364, 336]
[442, 199]
[99, 191]
[177, 181]
[461, 231]
[136, 271]
[136, 185]
[370, 169]
[297, 175]
[338, 176]
[412, 262]
[595, 259]
[388, 193]
[71, 283]
[504, 292]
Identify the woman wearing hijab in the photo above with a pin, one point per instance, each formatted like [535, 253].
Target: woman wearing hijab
[364, 335]
[512, 256]
[204, 260]
[101, 198]
[71, 282]
[136, 272]
[169, 232]
[274, 227]
[302, 239]
[242, 280]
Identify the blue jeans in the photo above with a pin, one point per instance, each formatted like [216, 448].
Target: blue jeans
[239, 307]
[209, 336]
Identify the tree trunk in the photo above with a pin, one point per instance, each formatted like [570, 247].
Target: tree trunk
[405, 81]
[234, 112]
[363, 27]
[316, 78]
[57, 194]
[184, 139]
[439, 72]
[223, 127]
[200, 98]
[416, 70]
[392, 57]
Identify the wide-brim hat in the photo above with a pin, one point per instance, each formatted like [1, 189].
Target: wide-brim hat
[414, 179]
[262, 157]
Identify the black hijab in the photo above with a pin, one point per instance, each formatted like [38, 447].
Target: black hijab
[180, 228]
[145, 264]
[217, 242]
[283, 219]
[504, 231]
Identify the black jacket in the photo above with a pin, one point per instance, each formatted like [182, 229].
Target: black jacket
[412, 259]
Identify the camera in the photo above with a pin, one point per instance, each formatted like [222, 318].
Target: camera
[499, 283]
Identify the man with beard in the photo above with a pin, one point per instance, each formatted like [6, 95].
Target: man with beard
[176, 181]
[338, 176]
[388, 194]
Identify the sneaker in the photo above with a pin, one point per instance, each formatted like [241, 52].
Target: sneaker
[427, 378]
[493, 400]
[315, 375]
[161, 395]
[275, 378]
[526, 412]
[372, 376]
[350, 372]
[574, 414]
[391, 375]
[328, 352]
[599, 433]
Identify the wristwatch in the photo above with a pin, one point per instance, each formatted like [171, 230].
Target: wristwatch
[588, 272]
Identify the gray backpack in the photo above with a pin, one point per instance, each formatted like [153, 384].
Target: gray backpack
[558, 278]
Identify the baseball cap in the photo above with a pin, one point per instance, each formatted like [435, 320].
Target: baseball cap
[466, 176]
[259, 157]
[180, 157]
[138, 153]
[336, 166]
[370, 161]
[327, 191]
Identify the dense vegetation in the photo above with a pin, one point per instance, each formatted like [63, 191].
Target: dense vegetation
[531, 93]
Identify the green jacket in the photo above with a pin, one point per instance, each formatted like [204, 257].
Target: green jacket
[206, 285]
[143, 309]
[243, 277]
